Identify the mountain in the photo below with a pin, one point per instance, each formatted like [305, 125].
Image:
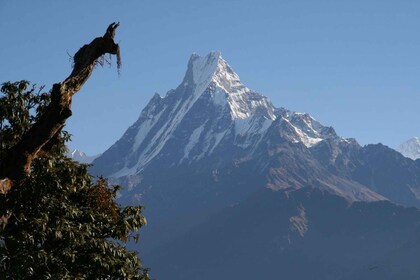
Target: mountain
[212, 121]
[410, 148]
[306, 234]
[206, 156]
[80, 156]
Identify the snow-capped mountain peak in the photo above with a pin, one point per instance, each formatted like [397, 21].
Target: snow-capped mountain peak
[211, 68]
[410, 148]
[213, 74]
[210, 110]
[77, 153]
[81, 156]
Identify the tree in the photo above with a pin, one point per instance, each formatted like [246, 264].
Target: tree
[56, 221]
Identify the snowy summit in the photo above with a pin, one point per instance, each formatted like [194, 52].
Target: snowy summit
[410, 148]
[80, 156]
[208, 109]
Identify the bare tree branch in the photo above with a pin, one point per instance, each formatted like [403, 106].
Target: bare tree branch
[17, 162]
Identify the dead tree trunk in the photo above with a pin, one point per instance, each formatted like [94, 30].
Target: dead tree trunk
[16, 164]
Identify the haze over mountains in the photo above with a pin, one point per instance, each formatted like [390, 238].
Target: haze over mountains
[237, 188]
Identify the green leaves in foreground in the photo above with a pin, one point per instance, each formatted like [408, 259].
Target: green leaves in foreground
[62, 224]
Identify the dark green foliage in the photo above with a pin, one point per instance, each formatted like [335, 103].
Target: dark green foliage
[63, 224]
[20, 106]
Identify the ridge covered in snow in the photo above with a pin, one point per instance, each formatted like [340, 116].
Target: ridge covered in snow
[410, 148]
[80, 156]
[209, 108]
[212, 73]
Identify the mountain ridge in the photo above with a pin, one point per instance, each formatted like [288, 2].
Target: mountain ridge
[211, 79]
[212, 112]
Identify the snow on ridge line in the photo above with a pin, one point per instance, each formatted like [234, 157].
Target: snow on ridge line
[203, 70]
[212, 71]
[304, 138]
[410, 148]
[251, 114]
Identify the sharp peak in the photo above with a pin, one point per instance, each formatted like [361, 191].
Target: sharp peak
[76, 151]
[207, 65]
[210, 68]
[216, 55]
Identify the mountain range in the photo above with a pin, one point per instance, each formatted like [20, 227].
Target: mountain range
[236, 188]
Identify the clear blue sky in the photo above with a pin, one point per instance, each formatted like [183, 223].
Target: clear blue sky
[352, 64]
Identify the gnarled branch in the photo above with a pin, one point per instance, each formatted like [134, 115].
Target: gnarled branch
[17, 161]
